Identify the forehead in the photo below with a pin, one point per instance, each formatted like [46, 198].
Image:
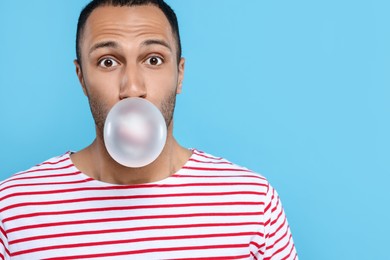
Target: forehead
[144, 20]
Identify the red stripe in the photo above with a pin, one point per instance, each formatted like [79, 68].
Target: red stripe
[276, 206]
[123, 187]
[50, 169]
[3, 232]
[277, 217]
[46, 183]
[101, 220]
[289, 254]
[268, 189]
[253, 256]
[218, 176]
[210, 162]
[280, 249]
[5, 247]
[157, 206]
[278, 240]
[146, 196]
[40, 177]
[153, 250]
[277, 230]
[54, 163]
[267, 207]
[215, 169]
[216, 258]
[44, 163]
[133, 240]
[199, 153]
[133, 229]
[256, 244]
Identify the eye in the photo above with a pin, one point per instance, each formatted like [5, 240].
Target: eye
[154, 61]
[108, 63]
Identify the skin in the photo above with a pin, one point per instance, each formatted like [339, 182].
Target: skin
[129, 52]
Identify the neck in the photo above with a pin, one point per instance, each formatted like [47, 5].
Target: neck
[95, 162]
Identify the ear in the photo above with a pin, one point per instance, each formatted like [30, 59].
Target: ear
[80, 76]
[180, 77]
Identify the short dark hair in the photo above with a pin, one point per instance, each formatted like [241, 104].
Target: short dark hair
[164, 7]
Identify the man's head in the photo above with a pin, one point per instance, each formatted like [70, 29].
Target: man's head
[128, 50]
[166, 9]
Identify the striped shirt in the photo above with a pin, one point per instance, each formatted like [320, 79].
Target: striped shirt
[209, 209]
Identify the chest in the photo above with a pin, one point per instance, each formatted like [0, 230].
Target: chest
[146, 225]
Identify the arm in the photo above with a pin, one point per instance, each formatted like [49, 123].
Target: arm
[275, 240]
[4, 251]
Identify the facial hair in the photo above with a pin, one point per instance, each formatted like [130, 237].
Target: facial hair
[100, 111]
[168, 108]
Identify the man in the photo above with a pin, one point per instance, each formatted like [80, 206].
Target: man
[185, 205]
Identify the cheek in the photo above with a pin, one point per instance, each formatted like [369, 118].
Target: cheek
[162, 83]
[103, 86]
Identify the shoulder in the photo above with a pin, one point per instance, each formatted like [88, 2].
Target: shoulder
[52, 168]
[213, 167]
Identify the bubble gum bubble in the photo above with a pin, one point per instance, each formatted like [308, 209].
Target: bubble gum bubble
[134, 132]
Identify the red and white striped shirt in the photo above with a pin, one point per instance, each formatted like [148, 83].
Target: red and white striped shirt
[209, 209]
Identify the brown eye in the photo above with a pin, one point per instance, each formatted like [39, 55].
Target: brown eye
[108, 63]
[154, 61]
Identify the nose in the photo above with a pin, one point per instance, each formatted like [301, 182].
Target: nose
[132, 84]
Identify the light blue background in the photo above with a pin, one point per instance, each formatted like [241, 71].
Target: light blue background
[295, 90]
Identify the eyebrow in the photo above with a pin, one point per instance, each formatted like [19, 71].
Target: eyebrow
[105, 44]
[158, 42]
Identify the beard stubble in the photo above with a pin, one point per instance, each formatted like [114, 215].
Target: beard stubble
[100, 111]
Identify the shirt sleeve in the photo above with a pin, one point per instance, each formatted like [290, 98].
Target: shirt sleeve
[275, 241]
[4, 251]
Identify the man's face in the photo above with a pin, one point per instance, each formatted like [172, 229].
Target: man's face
[129, 52]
